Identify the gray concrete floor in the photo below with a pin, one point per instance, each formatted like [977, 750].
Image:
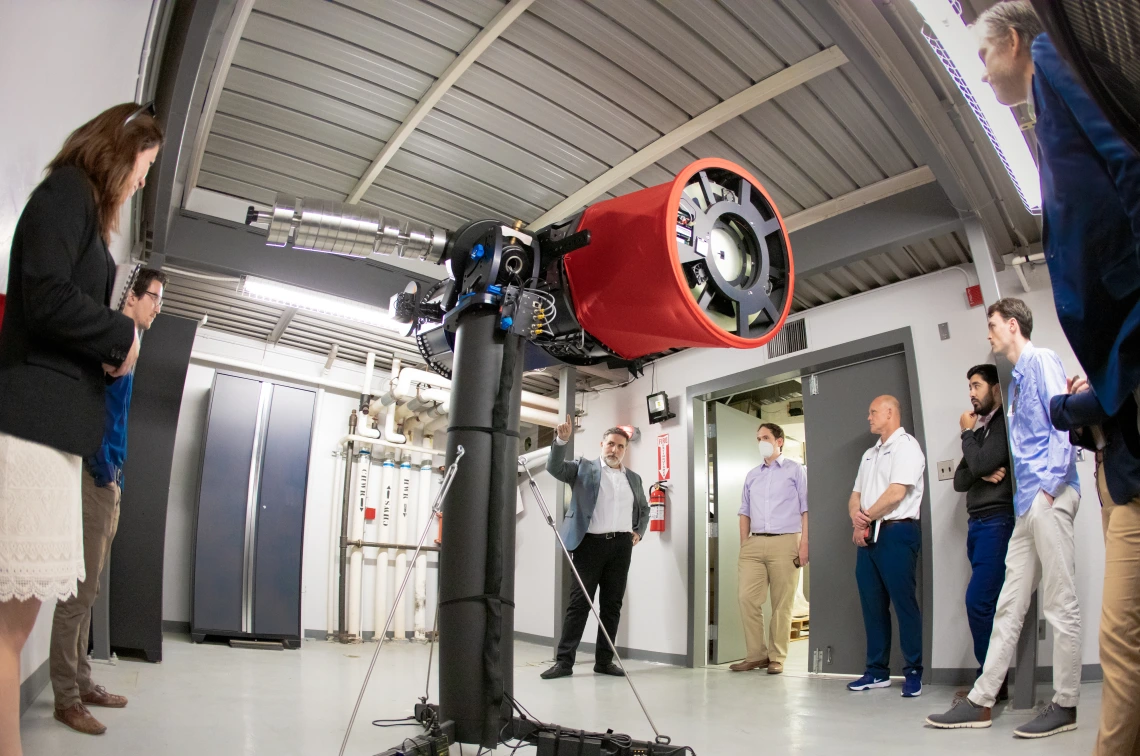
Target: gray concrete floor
[211, 699]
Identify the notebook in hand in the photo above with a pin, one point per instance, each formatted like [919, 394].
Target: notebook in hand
[125, 274]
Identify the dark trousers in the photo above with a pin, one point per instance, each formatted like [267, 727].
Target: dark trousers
[603, 563]
[885, 572]
[987, 541]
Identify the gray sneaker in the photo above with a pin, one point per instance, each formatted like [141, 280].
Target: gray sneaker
[1052, 720]
[963, 713]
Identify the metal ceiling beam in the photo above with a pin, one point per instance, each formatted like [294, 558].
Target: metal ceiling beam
[214, 91]
[878, 53]
[775, 85]
[890, 223]
[190, 51]
[863, 196]
[462, 62]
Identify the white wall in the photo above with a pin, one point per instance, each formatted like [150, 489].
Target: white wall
[655, 613]
[325, 485]
[64, 61]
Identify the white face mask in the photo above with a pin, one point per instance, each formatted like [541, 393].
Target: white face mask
[766, 449]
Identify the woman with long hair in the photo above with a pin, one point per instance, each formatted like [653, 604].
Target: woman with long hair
[60, 344]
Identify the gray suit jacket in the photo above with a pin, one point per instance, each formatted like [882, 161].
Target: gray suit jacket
[585, 475]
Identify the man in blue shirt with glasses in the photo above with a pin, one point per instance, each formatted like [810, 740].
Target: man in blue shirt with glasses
[102, 480]
[1041, 548]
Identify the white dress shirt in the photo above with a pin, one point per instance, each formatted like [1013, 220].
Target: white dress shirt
[614, 510]
[898, 460]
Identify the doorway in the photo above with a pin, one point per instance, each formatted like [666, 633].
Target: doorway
[820, 399]
[732, 454]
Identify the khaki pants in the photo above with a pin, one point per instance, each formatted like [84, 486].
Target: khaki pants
[71, 625]
[768, 561]
[1040, 550]
[1119, 733]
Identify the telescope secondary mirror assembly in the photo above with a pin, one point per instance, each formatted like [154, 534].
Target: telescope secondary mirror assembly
[700, 261]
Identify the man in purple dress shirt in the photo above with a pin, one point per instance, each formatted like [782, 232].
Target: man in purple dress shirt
[773, 546]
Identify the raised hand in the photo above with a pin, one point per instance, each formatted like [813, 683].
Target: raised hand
[564, 430]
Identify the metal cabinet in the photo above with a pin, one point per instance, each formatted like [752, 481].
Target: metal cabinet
[251, 511]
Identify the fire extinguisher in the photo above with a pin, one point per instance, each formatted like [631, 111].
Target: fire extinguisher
[657, 508]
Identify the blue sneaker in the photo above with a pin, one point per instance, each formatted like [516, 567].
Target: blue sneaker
[868, 681]
[912, 685]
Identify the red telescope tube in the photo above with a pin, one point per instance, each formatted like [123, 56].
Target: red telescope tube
[640, 289]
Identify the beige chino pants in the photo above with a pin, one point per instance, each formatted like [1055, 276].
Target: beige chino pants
[768, 562]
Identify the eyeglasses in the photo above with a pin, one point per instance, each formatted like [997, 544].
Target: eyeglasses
[147, 109]
[156, 297]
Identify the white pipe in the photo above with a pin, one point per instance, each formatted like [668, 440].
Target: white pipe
[535, 459]
[334, 537]
[539, 417]
[399, 627]
[407, 376]
[390, 434]
[379, 442]
[369, 366]
[259, 369]
[423, 511]
[539, 401]
[364, 425]
[371, 520]
[387, 491]
[356, 533]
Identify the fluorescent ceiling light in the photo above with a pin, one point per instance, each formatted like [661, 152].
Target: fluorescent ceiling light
[958, 49]
[313, 301]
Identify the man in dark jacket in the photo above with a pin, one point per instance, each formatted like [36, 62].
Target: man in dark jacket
[608, 515]
[983, 475]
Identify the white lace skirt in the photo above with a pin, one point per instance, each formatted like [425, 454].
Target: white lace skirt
[41, 521]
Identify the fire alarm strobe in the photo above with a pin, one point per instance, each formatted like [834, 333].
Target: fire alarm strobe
[658, 407]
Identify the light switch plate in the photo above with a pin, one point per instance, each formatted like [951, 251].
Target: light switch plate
[946, 469]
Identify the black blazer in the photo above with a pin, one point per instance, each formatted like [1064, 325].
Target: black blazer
[58, 329]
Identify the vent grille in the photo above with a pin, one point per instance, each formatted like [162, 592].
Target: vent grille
[791, 338]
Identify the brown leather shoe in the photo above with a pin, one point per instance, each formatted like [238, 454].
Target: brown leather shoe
[746, 665]
[100, 697]
[775, 668]
[78, 718]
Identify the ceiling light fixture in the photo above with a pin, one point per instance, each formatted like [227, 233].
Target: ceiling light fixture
[956, 46]
[313, 301]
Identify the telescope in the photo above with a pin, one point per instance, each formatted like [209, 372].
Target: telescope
[703, 260]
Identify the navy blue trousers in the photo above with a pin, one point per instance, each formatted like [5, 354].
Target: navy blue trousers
[885, 572]
[986, 543]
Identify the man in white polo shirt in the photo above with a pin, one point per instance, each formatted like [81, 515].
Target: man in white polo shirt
[884, 509]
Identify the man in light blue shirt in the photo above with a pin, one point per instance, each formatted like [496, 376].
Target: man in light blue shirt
[1041, 548]
[773, 546]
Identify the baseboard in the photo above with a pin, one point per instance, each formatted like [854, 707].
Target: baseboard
[31, 688]
[367, 635]
[174, 626]
[966, 675]
[660, 657]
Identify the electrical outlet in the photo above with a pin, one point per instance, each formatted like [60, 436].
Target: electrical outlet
[946, 469]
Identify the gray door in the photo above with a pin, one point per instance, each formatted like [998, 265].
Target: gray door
[835, 414]
[733, 453]
[281, 513]
[219, 548]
